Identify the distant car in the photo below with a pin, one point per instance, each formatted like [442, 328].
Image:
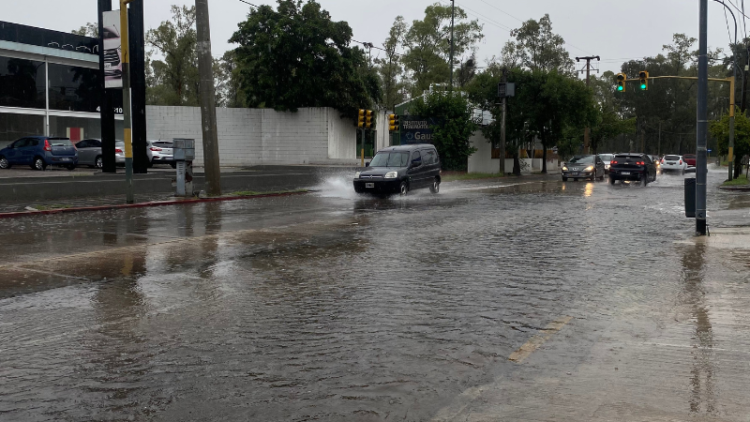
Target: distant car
[160, 152]
[607, 159]
[39, 152]
[584, 167]
[637, 167]
[401, 169]
[656, 160]
[673, 163]
[90, 153]
[690, 159]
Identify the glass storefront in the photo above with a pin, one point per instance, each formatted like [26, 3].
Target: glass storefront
[73, 88]
[75, 128]
[22, 83]
[15, 126]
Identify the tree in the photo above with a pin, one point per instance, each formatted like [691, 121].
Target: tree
[297, 56]
[719, 129]
[537, 48]
[89, 30]
[455, 128]
[390, 67]
[428, 44]
[228, 88]
[173, 80]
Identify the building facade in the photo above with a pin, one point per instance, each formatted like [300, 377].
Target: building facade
[49, 84]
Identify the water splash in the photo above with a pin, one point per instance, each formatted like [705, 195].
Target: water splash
[336, 186]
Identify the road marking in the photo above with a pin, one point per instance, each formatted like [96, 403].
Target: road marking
[537, 341]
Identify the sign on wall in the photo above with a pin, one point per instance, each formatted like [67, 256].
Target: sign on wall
[112, 50]
[417, 130]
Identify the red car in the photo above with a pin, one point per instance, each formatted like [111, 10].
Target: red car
[690, 159]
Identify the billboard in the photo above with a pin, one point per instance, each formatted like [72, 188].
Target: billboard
[417, 130]
[112, 51]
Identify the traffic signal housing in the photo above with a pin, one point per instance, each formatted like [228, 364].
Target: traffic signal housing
[393, 123]
[369, 121]
[643, 75]
[622, 79]
[361, 119]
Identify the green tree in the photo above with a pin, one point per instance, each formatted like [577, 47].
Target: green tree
[390, 68]
[173, 79]
[536, 47]
[91, 29]
[455, 128]
[297, 56]
[428, 44]
[719, 129]
[228, 89]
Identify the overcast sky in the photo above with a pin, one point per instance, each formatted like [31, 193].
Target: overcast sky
[590, 27]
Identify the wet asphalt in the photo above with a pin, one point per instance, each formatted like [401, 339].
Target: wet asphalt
[338, 307]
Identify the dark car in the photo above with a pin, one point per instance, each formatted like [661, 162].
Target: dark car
[690, 159]
[583, 167]
[638, 167]
[401, 169]
[39, 152]
[90, 153]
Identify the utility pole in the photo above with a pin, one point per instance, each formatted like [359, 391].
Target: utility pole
[587, 133]
[744, 79]
[502, 125]
[127, 138]
[453, 18]
[658, 149]
[207, 100]
[106, 111]
[701, 175]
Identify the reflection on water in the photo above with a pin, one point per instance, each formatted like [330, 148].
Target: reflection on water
[703, 394]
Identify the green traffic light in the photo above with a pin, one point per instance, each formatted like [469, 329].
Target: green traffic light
[643, 86]
[619, 88]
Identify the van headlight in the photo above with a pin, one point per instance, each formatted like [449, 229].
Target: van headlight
[565, 168]
[356, 175]
[590, 168]
[391, 175]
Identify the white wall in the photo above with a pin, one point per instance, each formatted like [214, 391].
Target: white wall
[263, 136]
[481, 161]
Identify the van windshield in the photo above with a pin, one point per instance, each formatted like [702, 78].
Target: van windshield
[390, 159]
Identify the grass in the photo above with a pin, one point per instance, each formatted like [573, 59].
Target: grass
[454, 176]
[740, 181]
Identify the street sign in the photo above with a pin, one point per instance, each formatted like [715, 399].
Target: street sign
[505, 90]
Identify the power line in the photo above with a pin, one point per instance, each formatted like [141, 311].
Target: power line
[495, 7]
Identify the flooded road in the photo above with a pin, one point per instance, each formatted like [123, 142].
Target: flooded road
[336, 307]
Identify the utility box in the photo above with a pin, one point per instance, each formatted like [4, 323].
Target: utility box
[690, 187]
[183, 151]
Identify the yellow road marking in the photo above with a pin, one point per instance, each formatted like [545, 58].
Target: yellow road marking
[537, 341]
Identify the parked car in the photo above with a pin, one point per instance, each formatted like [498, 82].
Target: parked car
[607, 159]
[674, 163]
[638, 167]
[690, 159]
[90, 153]
[584, 167]
[40, 152]
[160, 152]
[401, 169]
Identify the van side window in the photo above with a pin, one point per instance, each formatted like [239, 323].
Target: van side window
[416, 158]
[430, 157]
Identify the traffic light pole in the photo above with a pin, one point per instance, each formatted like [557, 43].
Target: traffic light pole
[127, 138]
[701, 172]
[503, 138]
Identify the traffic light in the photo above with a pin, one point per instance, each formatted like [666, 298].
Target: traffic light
[393, 124]
[621, 82]
[361, 119]
[643, 75]
[369, 119]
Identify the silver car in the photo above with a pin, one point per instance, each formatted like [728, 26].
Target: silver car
[90, 153]
[160, 152]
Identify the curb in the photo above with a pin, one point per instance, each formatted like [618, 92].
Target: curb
[145, 205]
[735, 188]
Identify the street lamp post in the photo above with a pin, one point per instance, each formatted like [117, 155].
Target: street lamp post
[127, 138]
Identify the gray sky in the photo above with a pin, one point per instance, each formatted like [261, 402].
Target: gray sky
[590, 27]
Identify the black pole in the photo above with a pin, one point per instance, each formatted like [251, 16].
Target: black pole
[106, 106]
[701, 172]
[138, 86]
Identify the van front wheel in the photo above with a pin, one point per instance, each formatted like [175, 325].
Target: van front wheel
[404, 189]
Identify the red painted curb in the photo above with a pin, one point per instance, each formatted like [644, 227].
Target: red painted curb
[145, 205]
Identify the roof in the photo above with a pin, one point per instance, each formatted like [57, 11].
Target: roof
[410, 147]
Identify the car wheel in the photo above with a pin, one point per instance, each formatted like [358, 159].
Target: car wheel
[644, 180]
[4, 163]
[404, 189]
[435, 187]
[150, 164]
[39, 164]
[611, 181]
[565, 179]
[575, 180]
[174, 165]
[98, 163]
[71, 167]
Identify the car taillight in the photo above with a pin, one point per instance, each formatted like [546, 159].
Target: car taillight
[118, 151]
[662, 161]
[155, 149]
[640, 163]
[680, 162]
[612, 163]
[47, 146]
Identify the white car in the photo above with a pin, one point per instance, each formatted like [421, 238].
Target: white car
[160, 152]
[673, 163]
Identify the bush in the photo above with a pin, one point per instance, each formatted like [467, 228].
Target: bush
[451, 135]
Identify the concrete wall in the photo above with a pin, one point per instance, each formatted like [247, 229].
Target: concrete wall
[264, 136]
[481, 161]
